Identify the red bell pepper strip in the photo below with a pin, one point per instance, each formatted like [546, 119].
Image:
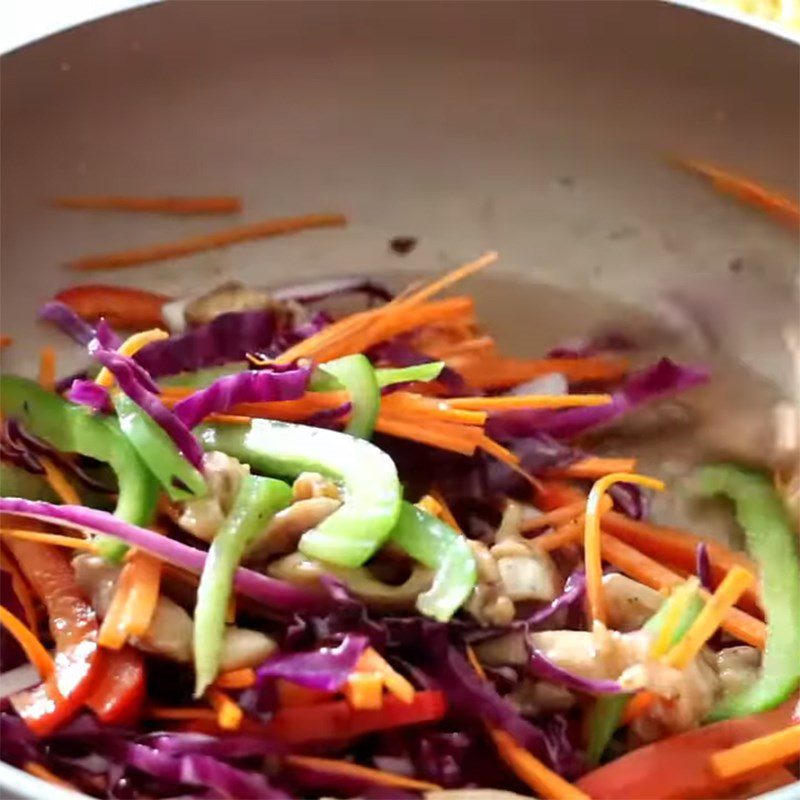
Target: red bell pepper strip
[73, 625]
[338, 720]
[124, 307]
[688, 756]
[118, 696]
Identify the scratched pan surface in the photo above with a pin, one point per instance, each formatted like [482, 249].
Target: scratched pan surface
[536, 129]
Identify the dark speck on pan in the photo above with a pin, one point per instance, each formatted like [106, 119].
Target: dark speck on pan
[402, 245]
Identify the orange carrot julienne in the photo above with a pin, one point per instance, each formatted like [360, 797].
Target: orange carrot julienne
[5, 341]
[364, 690]
[644, 569]
[143, 592]
[529, 401]
[528, 768]
[181, 713]
[132, 345]
[43, 774]
[47, 368]
[436, 436]
[445, 512]
[592, 554]
[242, 678]
[372, 661]
[501, 453]
[447, 280]
[28, 641]
[637, 705]
[211, 241]
[20, 588]
[113, 631]
[358, 772]
[710, 618]
[59, 483]
[229, 715]
[430, 505]
[746, 190]
[757, 755]
[595, 467]
[555, 517]
[50, 538]
[409, 403]
[567, 534]
[166, 205]
[444, 350]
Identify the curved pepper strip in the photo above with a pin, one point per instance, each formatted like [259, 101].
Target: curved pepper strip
[436, 545]
[355, 531]
[179, 478]
[256, 503]
[74, 429]
[73, 624]
[607, 712]
[772, 542]
[357, 376]
[117, 698]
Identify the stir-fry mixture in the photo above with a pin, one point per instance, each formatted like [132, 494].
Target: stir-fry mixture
[256, 550]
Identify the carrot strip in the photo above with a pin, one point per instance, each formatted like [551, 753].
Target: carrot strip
[229, 715]
[749, 192]
[43, 774]
[292, 695]
[595, 467]
[440, 435]
[372, 661]
[242, 678]
[530, 401]
[449, 279]
[644, 569]
[500, 373]
[530, 770]
[556, 517]
[163, 205]
[710, 618]
[364, 691]
[447, 349]
[5, 341]
[445, 512]
[47, 368]
[430, 505]
[132, 345]
[758, 754]
[34, 650]
[681, 598]
[59, 483]
[637, 705]
[50, 538]
[414, 404]
[199, 244]
[677, 548]
[567, 534]
[501, 453]
[143, 591]
[358, 772]
[20, 588]
[113, 632]
[552, 494]
[592, 555]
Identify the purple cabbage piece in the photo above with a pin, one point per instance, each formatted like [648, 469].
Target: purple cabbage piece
[250, 386]
[657, 381]
[571, 597]
[326, 669]
[229, 337]
[398, 353]
[630, 498]
[542, 667]
[91, 394]
[227, 780]
[138, 385]
[231, 747]
[703, 566]
[273, 594]
[64, 318]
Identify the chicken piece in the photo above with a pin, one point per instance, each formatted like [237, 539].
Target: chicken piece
[223, 474]
[243, 647]
[308, 485]
[287, 526]
[541, 697]
[737, 667]
[230, 296]
[629, 603]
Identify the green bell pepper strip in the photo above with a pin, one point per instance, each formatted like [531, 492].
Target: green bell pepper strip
[772, 542]
[355, 531]
[256, 503]
[606, 714]
[418, 373]
[72, 428]
[178, 477]
[357, 376]
[436, 545]
[202, 378]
